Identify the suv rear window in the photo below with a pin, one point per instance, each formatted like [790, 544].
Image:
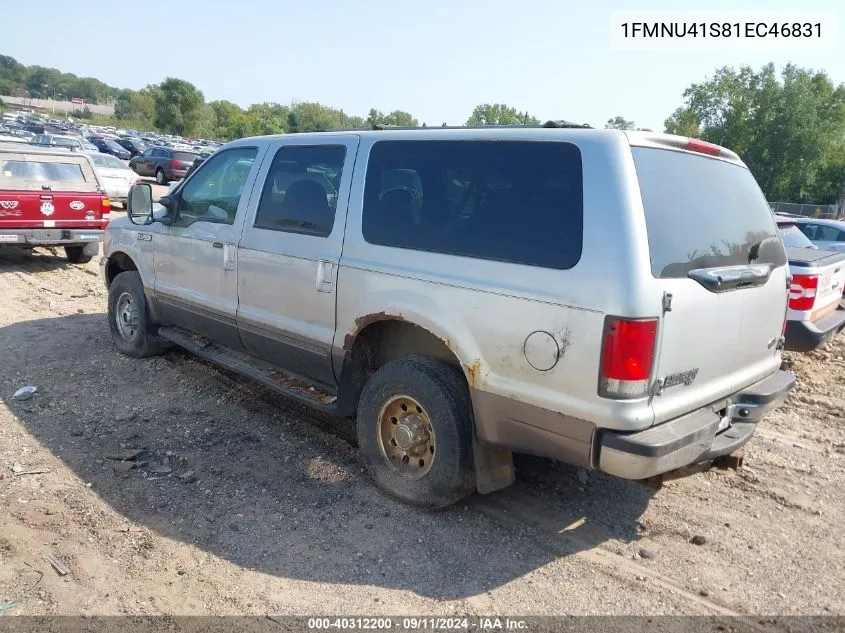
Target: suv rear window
[187, 157]
[513, 201]
[703, 212]
[42, 172]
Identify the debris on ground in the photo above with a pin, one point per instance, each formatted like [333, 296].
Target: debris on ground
[25, 393]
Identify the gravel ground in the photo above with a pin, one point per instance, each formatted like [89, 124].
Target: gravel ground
[168, 486]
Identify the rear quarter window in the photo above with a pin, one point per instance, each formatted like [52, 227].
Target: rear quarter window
[703, 212]
[511, 201]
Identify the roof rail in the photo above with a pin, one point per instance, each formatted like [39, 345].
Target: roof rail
[562, 123]
[547, 124]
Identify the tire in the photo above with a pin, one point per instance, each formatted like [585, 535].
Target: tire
[126, 294]
[442, 394]
[160, 178]
[82, 254]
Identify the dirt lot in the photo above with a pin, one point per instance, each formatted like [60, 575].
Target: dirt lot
[242, 502]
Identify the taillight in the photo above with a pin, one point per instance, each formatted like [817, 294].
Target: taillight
[175, 164]
[802, 292]
[627, 356]
[106, 205]
[703, 147]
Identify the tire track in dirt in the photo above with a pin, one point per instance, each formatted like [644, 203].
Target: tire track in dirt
[610, 563]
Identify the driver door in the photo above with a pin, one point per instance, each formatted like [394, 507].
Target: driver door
[195, 263]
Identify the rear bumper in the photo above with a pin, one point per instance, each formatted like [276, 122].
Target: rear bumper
[48, 237]
[697, 437]
[804, 336]
[118, 194]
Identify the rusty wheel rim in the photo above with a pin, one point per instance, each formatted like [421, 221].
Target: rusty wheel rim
[406, 437]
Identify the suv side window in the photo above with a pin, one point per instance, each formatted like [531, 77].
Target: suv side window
[512, 201]
[300, 193]
[214, 192]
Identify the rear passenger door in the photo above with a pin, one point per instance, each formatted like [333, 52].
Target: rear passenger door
[289, 252]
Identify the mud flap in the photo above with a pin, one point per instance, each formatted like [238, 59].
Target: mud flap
[493, 467]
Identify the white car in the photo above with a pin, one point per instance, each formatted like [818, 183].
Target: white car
[116, 176]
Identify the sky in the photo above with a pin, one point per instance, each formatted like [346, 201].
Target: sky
[434, 58]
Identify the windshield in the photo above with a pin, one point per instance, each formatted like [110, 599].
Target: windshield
[107, 161]
[65, 142]
[792, 236]
[703, 212]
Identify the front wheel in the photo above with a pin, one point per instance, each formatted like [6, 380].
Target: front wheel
[415, 432]
[160, 179]
[129, 318]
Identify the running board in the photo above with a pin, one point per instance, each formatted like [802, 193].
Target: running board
[269, 375]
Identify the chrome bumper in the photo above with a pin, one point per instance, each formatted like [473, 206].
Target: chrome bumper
[49, 237]
[696, 437]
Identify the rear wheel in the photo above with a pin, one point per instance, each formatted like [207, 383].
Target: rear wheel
[415, 432]
[82, 254]
[160, 178]
[129, 318]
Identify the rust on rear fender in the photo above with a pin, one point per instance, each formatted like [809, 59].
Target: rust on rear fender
[363, 321]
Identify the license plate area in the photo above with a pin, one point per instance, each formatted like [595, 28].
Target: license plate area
[47, 234]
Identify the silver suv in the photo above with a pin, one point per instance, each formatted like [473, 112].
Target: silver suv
[613, 300]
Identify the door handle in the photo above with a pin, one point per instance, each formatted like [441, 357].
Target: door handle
[217, 244]
[325, 276]
[229, 256]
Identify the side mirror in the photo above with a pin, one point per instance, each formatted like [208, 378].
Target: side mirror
[139, 206]
[169, 202]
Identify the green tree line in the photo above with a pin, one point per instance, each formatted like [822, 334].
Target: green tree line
[17, 80]
[788, 127]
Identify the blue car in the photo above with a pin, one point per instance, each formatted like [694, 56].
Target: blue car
[107, 146]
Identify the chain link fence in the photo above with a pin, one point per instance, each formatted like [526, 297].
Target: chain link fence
[808, 210]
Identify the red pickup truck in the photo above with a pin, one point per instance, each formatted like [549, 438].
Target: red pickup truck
[51, 198]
